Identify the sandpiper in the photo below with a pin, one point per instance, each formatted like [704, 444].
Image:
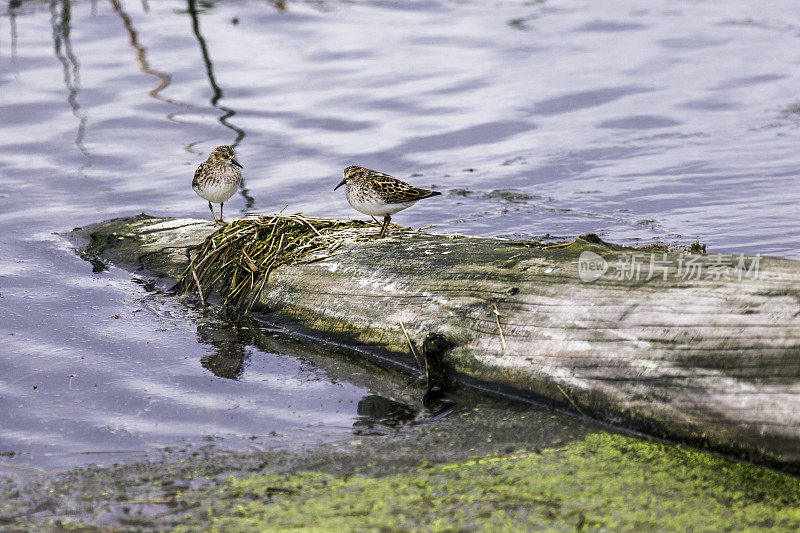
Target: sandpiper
[218, 178]
[377, 194]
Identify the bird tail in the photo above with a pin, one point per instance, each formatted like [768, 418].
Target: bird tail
[428, 194]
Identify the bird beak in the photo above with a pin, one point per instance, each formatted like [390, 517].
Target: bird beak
[342, 183]
[235, 162]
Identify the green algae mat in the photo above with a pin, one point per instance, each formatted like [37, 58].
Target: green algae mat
[604, 481]
[536, 470]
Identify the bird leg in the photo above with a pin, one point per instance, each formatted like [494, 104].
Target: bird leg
[222, 222]
[213, 214]
[386, 221]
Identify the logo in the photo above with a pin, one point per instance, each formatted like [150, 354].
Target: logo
[591, 266]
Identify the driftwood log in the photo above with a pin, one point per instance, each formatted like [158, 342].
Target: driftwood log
[703, 349]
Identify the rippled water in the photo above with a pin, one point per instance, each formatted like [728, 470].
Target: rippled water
[635, 120]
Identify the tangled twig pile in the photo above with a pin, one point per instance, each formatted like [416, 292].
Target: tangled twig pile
[237, 259]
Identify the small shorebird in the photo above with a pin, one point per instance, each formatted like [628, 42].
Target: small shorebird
[377, 194]
[218, 178]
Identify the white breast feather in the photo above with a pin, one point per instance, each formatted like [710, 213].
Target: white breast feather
[374, 207]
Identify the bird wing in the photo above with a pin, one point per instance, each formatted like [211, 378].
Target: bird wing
[396, 191]
[198, 174]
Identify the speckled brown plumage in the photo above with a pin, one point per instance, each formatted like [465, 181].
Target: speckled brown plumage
[378, 194]
[388, 188]
[218, 178]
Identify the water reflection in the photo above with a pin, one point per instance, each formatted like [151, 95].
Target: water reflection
[215, 88]
[229, 356]
[12, 22]
[232, 341]
[62, 46]
[217, 93]
[374, 410]
[141, 56]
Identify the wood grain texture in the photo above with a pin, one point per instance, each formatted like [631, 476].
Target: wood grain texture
[710, 361]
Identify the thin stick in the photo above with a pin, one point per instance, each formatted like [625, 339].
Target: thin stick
[559, 245]
[497, 319]
[315, 259]
[145, 501]
[249, 262]
[10, 311]
[309, 224]
[199, 288]
[22, 467]
[261, 288]
[575, 405]
[414, 353]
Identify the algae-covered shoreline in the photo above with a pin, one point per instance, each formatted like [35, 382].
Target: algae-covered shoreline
[496, 468]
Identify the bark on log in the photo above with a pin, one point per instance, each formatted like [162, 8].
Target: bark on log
[713, 359]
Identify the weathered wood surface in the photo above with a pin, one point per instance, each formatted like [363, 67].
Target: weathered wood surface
[711, 359]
